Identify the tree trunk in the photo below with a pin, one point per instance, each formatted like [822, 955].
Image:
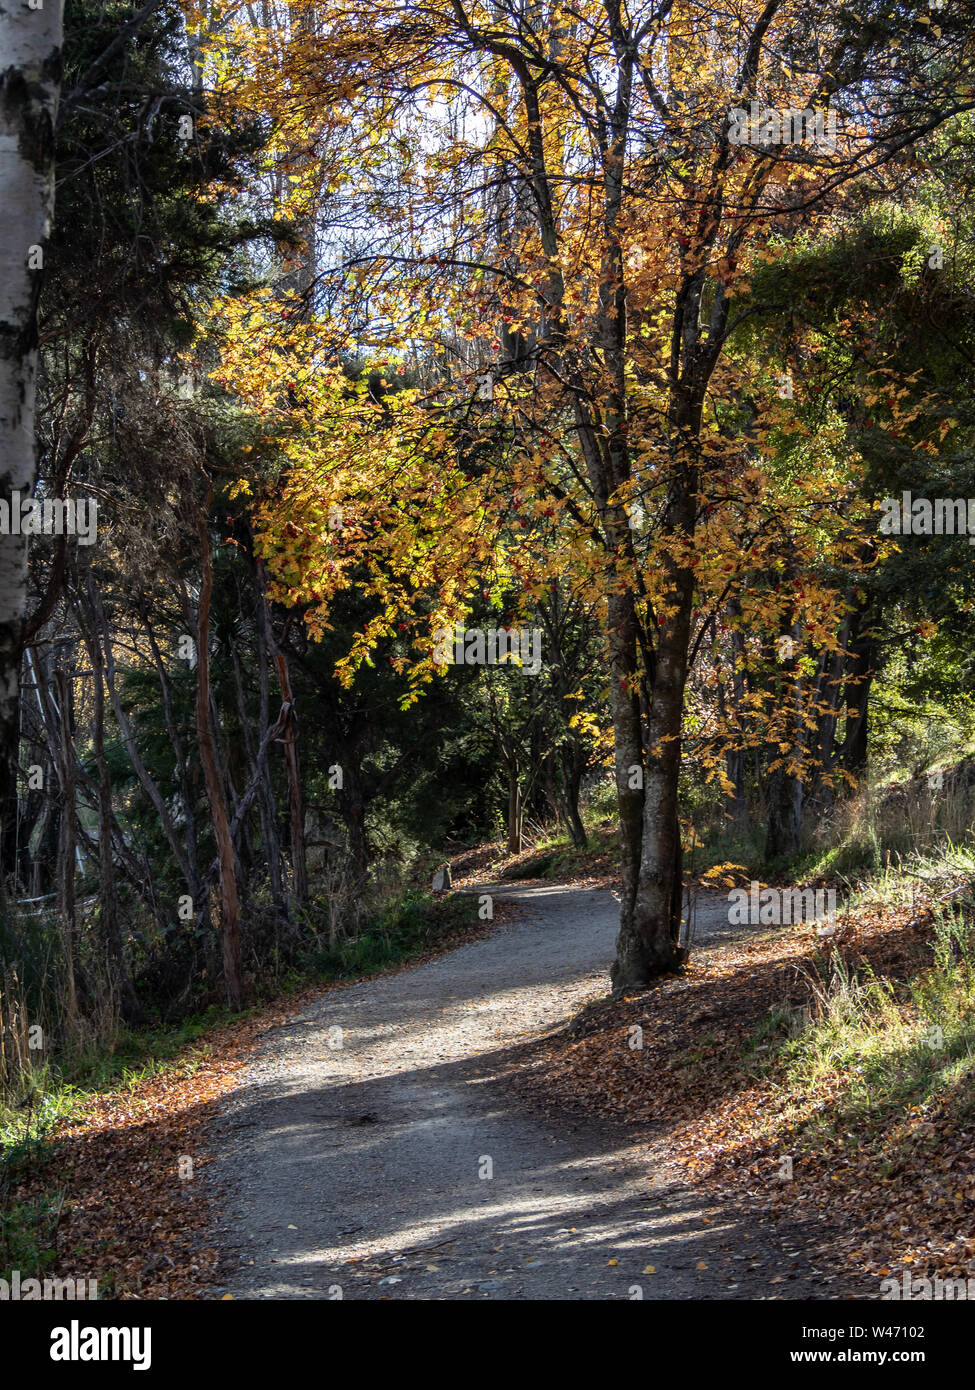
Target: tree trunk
[785, 786]
[66, 855]
[229, 904]
[736, 808]
[30, 81]
[296, 811]
[182, 762]
[824, 751]
[353, 802]
[858, 679]
[515, 821]
[299, 869]
[784, 817]
[128, 739]
[572, 783]
[265, 803]
[648, 941]
[108, 916]
[628, 744]
[652, 899]
[10, 808]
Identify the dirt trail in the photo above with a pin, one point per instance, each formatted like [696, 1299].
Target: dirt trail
[377, 1152]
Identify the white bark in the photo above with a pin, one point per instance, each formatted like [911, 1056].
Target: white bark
[30, 80]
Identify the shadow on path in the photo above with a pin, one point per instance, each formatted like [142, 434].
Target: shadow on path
[390, 1160]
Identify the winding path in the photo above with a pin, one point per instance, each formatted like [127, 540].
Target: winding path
[398, 1165]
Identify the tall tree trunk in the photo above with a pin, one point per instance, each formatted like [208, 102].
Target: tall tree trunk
[572, 762]
[650, 909]
[182, 762]
[650, 917]
[108, 916]
[515, 814]
[296, 811]
[229, 903]
[784, 816]
[30, 83]
[648, 944]
[736, 808]
[66, 855]
[269, 815]
[824, 747]
[299, 869]
[858, 679]
[10, 800]
[259, 763]
[128, 739]
[353, 802]
[785, 786]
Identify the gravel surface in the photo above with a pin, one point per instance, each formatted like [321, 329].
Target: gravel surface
[373, 1150]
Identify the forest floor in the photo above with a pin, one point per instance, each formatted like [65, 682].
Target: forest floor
[398, 1139]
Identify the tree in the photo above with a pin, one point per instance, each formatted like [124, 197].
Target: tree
[574, 216]
[30, 40]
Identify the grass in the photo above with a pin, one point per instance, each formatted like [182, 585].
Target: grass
[409, 924]
[58, 1087]
[879, 1048]
[28, 1234]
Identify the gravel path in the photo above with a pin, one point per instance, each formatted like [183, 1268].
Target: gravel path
[371, 1151]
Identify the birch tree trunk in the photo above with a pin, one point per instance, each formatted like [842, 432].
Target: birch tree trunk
[30, 85]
